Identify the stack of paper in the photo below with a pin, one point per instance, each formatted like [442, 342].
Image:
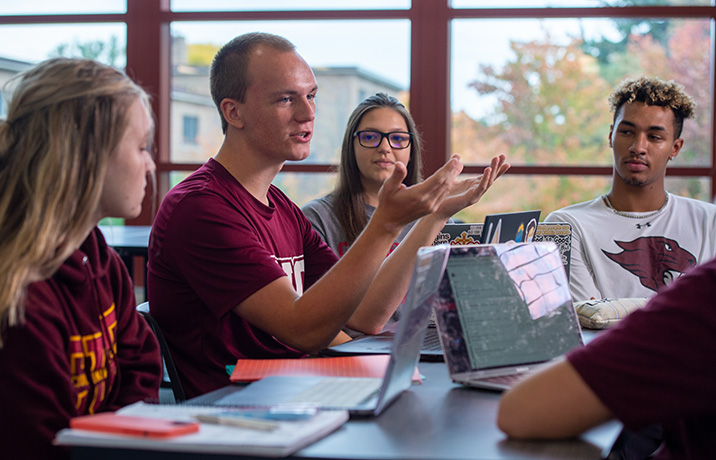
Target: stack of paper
[286, 438]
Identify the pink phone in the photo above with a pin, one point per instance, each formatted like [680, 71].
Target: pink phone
[110, 422]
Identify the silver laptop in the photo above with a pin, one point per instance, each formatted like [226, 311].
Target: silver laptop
[367, 396]
[513, 227]
[503, 311]
[382, 344]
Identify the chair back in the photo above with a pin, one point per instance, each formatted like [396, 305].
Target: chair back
[170, 371]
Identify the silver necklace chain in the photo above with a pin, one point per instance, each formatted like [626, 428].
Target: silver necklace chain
[635, 216]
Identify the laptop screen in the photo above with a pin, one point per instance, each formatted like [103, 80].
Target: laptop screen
[471, 233]
[429, 266]
[503, 305]
[519, 227]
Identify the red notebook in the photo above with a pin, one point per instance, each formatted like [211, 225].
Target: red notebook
[249, 370]
[111, 422]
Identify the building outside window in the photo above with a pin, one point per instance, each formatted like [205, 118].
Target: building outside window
[191, 129]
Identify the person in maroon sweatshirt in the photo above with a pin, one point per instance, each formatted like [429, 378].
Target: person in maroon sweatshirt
[73, 150]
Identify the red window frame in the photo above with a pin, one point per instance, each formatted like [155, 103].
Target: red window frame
[148, 51]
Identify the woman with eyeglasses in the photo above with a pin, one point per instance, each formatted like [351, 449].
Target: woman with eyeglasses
[381, 132]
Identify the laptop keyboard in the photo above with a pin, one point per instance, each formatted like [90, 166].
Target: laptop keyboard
[339, 391]
[508, 380]
[431, 341]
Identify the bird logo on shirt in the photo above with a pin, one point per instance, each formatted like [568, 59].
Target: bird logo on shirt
[656, 260]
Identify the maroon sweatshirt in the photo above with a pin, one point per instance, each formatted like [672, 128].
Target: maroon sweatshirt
[82, 349]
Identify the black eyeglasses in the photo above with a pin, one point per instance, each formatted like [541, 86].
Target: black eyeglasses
[372, 139]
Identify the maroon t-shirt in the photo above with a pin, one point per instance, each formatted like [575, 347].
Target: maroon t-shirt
[657, 366]
[212, 246]
[82, 349]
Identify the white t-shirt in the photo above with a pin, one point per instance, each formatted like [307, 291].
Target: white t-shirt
[617, 256]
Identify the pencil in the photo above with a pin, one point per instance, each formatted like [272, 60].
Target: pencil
[238, 421]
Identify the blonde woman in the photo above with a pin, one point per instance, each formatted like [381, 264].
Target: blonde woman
[73, 150]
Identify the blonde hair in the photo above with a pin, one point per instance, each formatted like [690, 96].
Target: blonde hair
[66, 117]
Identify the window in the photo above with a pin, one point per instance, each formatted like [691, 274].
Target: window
[104, 42]
[567, 3]
[277, 5]
[539, 93]
[191, 129]
[42, 7]
[529, 78]
[345, 72]
[8, 69]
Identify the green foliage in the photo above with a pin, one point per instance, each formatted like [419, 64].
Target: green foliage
[607, 51]
[109, 52]
[201, 54]
[552, 107]
[112, 221]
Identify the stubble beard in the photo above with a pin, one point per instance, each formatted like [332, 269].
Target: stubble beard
[633, 182]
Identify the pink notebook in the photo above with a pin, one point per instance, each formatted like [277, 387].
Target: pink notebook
[249, 370]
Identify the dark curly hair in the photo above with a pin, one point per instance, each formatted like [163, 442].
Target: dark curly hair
[654, 91]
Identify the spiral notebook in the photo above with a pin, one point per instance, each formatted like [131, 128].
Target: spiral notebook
[284, 439]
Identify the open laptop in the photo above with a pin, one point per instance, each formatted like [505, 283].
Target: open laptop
[382, 343]
[504, 310]
[510, 227]
[559, 232]
[365, 396]
[459, 233]
[519, 227]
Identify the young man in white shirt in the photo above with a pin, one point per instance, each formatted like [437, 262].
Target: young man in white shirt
[638, 238]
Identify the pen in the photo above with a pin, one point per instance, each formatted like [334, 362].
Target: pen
[237, 420]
